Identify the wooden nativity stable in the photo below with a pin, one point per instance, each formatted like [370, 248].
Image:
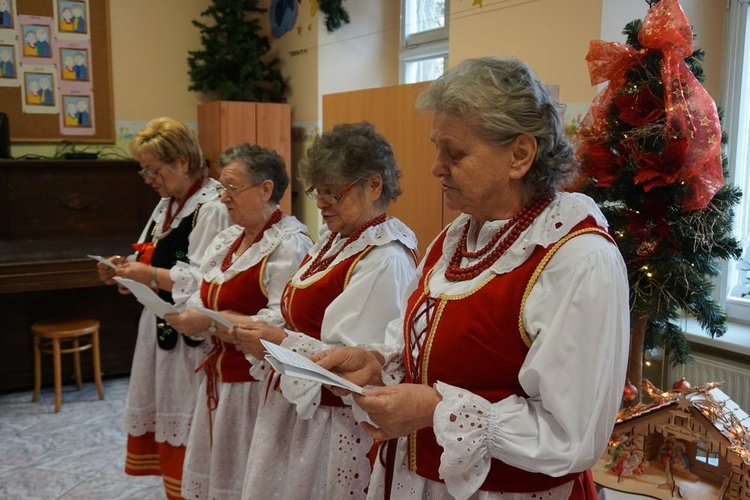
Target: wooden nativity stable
[693, 445]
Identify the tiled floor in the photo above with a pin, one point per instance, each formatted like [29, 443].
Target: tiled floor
[77, 453]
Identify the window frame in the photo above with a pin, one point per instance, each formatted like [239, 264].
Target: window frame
[736, 106]
[422, 45]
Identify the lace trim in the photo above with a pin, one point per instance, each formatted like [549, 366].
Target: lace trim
[272, 238]
[304, 394]
[556, 221]
[382, 234]
[173, 429]
[460, 428]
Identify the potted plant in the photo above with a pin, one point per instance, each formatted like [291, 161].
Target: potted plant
[233, 64]
[244, 85]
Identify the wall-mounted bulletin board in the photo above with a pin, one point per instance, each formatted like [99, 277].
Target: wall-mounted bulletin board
[55, 70]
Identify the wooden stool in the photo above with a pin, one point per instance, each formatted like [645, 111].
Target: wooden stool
[57, 332]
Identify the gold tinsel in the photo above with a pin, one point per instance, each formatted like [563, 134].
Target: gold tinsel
[715, 411]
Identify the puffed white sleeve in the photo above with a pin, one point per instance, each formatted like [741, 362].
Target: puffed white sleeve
[360, 315]
[186, 277]
[578, 317]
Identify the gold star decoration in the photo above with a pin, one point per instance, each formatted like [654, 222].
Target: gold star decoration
[299, 29]
[477, 2]
[684, 403]
[704, 121]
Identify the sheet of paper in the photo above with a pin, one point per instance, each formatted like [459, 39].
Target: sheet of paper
[295, 365]
[102, 260]
[215, 316]
[148, 298]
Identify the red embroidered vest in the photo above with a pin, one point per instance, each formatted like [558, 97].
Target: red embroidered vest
[304, 305]
[473, 341]
[242, 293]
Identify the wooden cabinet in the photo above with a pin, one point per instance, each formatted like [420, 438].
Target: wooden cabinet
[222, 124]
[391, 110]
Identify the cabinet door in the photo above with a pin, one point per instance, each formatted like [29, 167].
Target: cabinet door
[391, 110]
[222, 124]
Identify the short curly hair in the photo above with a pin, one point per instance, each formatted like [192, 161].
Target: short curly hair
[500, 99]
[352, 152]
[168, 140]
[260, 164]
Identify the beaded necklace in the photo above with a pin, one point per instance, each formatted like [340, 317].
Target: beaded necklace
[514, 227]
[170, 216]
[227, 260]
[320, 263]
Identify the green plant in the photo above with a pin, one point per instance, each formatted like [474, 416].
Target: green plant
[668, 207]
[234, 64]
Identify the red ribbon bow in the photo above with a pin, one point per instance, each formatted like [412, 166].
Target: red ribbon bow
[691, 115]
[145, 251]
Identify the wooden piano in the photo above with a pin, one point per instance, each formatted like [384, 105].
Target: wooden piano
[52, 214]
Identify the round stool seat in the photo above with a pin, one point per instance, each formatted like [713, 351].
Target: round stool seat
[65, 328]
[72, 333]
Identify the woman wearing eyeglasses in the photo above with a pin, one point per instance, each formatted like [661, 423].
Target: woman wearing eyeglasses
[244, 273]
[170, 251]
[345, 292]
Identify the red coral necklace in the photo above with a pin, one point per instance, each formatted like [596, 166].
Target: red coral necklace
[320, 263]
[170, 216]
[514, 227]
[227, 260]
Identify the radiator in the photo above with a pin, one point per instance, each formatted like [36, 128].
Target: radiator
[709, 368]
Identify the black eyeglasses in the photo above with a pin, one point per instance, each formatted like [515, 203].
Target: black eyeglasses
[329, 198]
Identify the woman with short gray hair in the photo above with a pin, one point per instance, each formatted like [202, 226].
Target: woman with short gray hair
[344, 293]
[503, 377]
[244, 273]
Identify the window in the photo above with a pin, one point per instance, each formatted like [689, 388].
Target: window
[736, 92]
[702, 454]
[424, 39]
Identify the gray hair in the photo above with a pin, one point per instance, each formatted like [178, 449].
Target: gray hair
[352, 152]
[500, 99]
[259, 164]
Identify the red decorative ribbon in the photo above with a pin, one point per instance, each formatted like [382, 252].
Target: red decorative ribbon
[145, 251]
[693, 132]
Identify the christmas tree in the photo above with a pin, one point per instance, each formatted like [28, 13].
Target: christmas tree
[651, 152]
[233, 64]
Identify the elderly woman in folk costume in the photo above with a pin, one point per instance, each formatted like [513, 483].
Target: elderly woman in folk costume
[345, 292]
[163, 383]
[503, 378]
[244, 273]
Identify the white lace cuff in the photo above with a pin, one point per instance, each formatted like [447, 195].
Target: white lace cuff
[185, 282]
[259, 368]
[393, 367]
[461, 428]
[304, 394]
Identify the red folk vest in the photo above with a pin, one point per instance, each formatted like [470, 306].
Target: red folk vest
[304, 305]
[476, 341]
[245, 294]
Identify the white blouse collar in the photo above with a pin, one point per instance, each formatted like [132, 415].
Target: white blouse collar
[205, 194]
[390, 230]
[555, 222]
[272, 238]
